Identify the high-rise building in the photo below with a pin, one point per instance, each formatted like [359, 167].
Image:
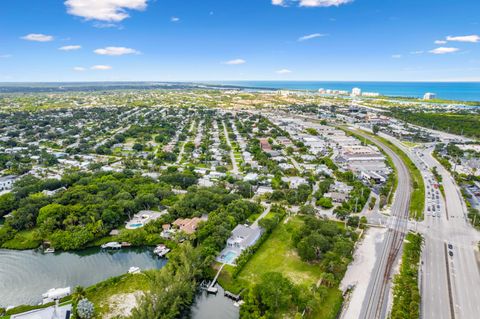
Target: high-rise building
[429, 96]
[356, 92]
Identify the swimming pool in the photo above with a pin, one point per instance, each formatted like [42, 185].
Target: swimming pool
[133, 226]
[229, 257]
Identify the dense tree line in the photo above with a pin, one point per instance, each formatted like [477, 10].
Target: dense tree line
[465, 123]
[172, 288]
[89, 208]
[325, 242]
[275, 295]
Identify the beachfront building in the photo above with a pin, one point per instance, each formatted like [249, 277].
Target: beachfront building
[356, 92]
[429, 96]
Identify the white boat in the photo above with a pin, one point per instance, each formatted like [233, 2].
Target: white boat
[161, 250]
[55, 294]
[134, 270]
[49, 250]
[112, 245]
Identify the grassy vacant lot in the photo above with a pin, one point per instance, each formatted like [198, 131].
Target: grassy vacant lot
[101, 293]
[277, 254]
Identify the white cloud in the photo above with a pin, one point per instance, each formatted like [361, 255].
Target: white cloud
[174, 19]
[79, 69]
[416, 52]
[104, 10]
[440, 42]
[311, 3]
[5, 56]
[101, 67]
[116, 51]
[105, 25]
[396, 56]
[465, 38]
[235, 62]
[278, 3]
[38, 37]
[323, 3]
[443, 50]
[70, 47]
[283, 71]
[310, 36]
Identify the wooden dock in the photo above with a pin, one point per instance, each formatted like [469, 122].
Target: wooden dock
[232, 296]
[212, 289]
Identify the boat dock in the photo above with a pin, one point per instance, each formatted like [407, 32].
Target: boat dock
[111, 245]
[232, 296]
[212, 289]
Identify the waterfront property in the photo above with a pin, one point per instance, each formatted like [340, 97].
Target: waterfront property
[143, 217]
[188, 225]
[242, 237]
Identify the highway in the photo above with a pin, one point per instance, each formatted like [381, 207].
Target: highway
[376, 303]
[436, 299]
[449, 283]
[463, 272]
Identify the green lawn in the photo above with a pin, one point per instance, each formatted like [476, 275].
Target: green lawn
[278, 255]
[27, 239]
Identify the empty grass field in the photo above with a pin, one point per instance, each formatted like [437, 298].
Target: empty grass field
[277, 254]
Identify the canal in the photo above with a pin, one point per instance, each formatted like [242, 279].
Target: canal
[26, 275]
[207, 306]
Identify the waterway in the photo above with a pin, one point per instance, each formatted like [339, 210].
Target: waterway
[208, 306]
[26, 275]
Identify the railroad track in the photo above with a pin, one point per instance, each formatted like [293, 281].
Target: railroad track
[376, 303]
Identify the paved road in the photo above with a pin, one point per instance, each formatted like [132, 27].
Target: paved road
[450, 284]
[265, 213]
[182, 148]
[453, 228]
[235, 169]
[375, 305]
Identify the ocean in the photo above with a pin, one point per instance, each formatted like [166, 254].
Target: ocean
[461, 91]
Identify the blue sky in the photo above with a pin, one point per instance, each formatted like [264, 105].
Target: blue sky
[205, 40]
